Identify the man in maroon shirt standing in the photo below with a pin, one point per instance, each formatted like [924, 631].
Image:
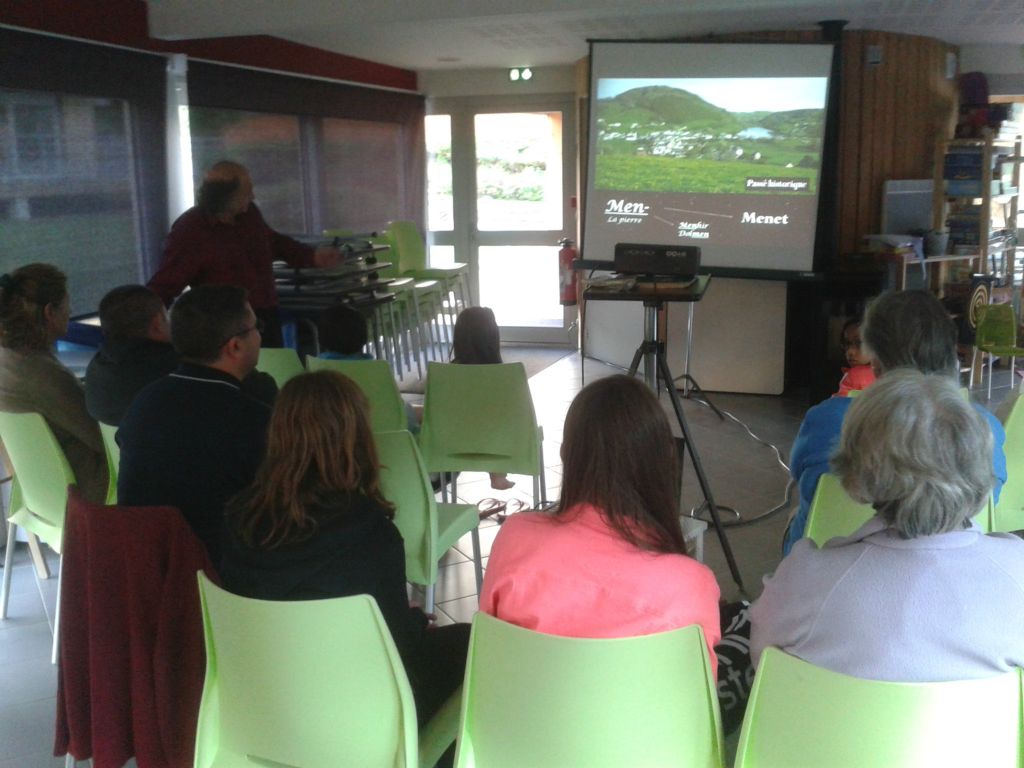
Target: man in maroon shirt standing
[224, 240]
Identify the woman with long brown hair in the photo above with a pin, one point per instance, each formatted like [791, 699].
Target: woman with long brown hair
[610, 561]
[314, 524]
[34, 312]
[476, 340]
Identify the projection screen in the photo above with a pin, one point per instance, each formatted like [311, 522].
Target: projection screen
[715, 145]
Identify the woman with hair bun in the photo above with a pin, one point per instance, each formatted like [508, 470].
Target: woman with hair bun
[34, 312]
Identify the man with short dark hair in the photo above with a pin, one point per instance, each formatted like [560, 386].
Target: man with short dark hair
[194, 438]
[224, 240]
[136, 350]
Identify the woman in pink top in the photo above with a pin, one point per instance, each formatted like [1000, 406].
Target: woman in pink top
[610, 561]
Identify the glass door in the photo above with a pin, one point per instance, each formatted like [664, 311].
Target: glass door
[499, 198]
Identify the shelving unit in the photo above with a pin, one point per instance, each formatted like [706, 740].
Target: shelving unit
[910, 261]
[977, 189]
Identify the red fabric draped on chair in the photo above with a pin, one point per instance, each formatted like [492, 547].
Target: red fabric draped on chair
[132, 659]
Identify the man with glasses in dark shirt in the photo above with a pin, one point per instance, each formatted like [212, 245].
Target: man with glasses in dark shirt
[194, 438]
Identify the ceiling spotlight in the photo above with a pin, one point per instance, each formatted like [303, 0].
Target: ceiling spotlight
[513, 74]
[526, 73]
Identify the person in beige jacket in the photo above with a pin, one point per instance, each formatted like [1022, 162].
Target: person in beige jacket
[34, 311]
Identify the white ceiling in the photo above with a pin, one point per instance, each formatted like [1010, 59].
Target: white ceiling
[464, 34]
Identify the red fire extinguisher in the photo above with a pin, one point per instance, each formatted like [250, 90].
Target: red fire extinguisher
[566, 274]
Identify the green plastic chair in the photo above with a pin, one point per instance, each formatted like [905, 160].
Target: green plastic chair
[1008, 514]
[412, 255]
[419, 332]
[374, 377]
[308, 684]
[401, 327]
[996, 336]
[424, 297]
[802, 716]
[833, 513]
[43, 476]
[409, 253]
[409, 333]
[280, 362]
[538, 700]
[480, 418]
[428, 529]
[415, 299]
[34, 548]
[113, 452]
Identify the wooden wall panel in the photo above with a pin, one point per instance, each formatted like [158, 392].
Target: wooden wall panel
[893, 113]
[913, 85]
[874, 142]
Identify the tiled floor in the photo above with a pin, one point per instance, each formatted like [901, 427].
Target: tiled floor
[28, 682]
[741, 473]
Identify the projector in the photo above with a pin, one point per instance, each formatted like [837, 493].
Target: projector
[677, 261]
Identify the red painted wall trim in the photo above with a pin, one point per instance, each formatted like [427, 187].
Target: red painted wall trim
[125, 22]
[275, 53]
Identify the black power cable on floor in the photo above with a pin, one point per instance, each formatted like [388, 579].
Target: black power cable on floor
[740, 522]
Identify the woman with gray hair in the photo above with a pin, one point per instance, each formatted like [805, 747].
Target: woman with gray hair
[901, 329]
[917, 594]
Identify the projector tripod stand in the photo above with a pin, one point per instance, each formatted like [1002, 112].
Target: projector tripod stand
[656, 369]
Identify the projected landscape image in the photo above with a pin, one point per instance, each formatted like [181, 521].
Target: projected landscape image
[710, 135]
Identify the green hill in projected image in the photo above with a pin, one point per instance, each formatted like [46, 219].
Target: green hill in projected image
[665, 139]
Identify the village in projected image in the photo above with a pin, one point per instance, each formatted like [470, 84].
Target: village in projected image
[746, 136]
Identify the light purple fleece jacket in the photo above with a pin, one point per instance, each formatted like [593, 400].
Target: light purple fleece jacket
[875, 606]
